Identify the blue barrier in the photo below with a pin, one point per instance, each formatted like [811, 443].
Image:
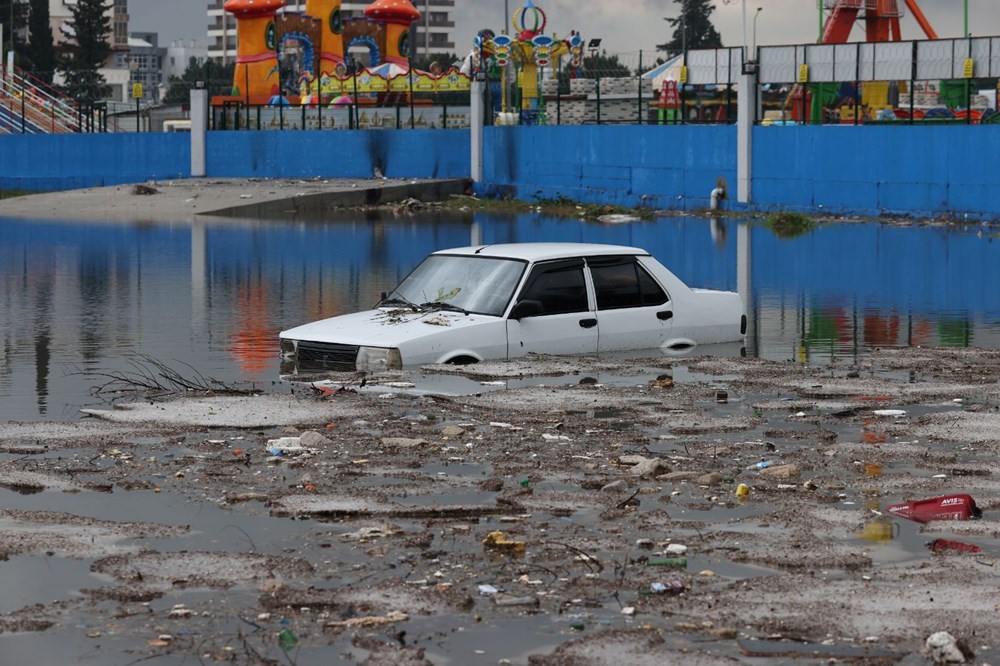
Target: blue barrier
[343, 154]
[672, 167]
[66, 161]
[870, 170]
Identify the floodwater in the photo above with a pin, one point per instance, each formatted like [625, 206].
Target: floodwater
[80, 302]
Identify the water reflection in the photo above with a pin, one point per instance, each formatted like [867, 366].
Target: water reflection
[213, 295]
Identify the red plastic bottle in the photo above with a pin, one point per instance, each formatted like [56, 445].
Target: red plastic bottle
[948, 507]
[939, 545]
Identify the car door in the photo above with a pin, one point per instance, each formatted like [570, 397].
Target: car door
[633, 310]
[561, 319]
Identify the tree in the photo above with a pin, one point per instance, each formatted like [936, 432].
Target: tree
[88, 50]
[41, 54]
[604, 66]
[693, 28]
[14, 10]
[218, 80]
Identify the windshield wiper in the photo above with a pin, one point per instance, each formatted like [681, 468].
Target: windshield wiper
[396, 299]
[442, 305]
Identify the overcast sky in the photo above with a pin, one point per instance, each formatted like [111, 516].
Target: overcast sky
[625, 26]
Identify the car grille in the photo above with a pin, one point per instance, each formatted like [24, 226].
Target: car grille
[327, 356]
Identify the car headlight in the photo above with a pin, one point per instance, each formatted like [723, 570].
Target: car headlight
[287, 348]
[379, 358]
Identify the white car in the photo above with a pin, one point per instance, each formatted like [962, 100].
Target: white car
[506, 301]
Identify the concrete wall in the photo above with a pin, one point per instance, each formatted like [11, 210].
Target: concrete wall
[919, 170]
[878, 168]
[342, 154]
[668, 167]
[67, 161]
[869, 170]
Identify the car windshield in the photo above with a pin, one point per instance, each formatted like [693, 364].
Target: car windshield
[482, 285]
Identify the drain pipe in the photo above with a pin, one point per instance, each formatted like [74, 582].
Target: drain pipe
[717, 194]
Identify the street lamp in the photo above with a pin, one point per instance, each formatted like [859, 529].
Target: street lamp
[753, 48]
[506, 17]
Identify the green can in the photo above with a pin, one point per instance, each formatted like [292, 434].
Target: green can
[670, 562]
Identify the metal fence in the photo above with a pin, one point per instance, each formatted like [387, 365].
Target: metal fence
[946, 80]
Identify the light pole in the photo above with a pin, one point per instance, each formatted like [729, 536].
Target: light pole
[744, 6]
[753, 48]
[506, 16]
[683, 22]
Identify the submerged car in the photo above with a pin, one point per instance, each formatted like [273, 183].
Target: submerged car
[471, 304]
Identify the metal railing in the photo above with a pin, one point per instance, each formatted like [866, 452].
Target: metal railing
[38, 107]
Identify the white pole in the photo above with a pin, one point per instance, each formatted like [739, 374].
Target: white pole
[476, 129]
[199, 129]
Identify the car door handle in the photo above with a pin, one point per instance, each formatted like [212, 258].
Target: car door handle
[665, 315]
[588, 323]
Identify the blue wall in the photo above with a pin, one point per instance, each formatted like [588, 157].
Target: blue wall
[878, 168]
[341, 154]
[668, 167]
[868, 170]
[69, 161]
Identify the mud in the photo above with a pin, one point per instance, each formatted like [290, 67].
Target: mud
[386, 523]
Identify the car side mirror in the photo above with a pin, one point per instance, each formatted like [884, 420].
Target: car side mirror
[526, 308]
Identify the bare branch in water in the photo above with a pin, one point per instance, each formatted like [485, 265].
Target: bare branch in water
[151, 377]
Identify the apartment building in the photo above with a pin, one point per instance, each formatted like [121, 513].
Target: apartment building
[60, 12]
[432, 34]
[115, 72]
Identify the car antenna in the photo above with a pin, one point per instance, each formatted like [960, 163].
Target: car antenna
[481, 249]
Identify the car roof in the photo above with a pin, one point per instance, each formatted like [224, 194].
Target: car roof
[544, 251]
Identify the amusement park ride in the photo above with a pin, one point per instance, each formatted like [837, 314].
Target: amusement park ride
[881, 19]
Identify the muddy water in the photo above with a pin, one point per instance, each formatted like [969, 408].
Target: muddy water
[80, 300]
[211, 297]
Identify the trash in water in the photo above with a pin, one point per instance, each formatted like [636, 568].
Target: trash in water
[499, 541]
[284, 446]
[873, 469]
[943, 648]
[895, 413]
[673, 587]
[948, 507]
[880, 531]
[742, 490]
[722, 397]
[939, 545]
[487, 590]
[508, 600]
[287, 639]
[672, 562]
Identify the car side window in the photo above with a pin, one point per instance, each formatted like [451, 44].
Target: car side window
[620, 282]
[559, 286]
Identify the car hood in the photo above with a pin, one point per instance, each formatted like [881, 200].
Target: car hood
[386, 327]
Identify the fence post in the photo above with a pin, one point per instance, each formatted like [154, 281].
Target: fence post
[559, 92]
[597, 84]
[639, 77]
